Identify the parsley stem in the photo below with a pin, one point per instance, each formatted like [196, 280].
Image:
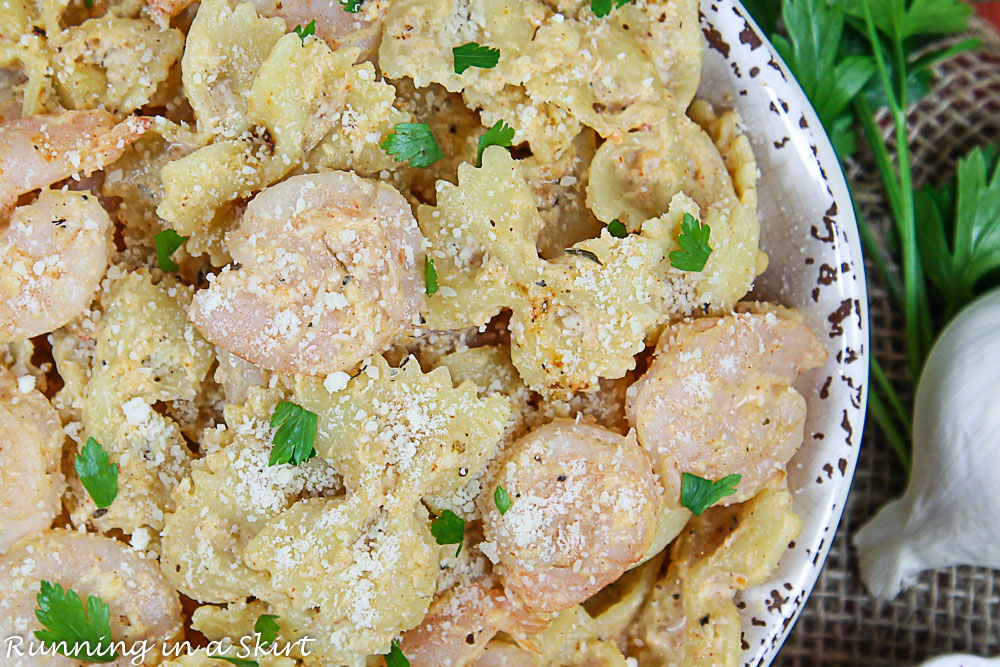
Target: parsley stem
[889, 429]
[891, 395]
[889, 279]
[915, 306]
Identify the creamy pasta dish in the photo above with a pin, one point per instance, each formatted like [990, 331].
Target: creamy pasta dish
[381, 332]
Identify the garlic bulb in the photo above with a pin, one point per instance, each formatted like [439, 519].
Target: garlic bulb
[950, 513]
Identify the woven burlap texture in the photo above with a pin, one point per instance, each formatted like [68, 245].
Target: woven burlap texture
[950, 610]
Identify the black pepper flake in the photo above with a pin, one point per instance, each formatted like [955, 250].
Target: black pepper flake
[704, 619]
[470, 639]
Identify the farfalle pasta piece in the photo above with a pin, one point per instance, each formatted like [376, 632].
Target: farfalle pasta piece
[147, 352]
[230, 496]
[638, 178]
[403, 432]
[690, 619]
[573, 320]
[378, 570]
[113, 63]
[225, 48]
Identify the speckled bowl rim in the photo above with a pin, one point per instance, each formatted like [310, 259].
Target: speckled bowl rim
[810, 232]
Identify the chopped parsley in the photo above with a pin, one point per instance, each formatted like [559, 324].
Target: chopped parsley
[698, 494]
[449, 528]
[502, 500]
[78, 631]
[310, 29]
[617, 229]
[294, 441]
[430, 275]
[395, 657]
[501, 134]
[97, 474]
[267, 627]
[475, 55]
[351, 6]
[89, 4]
[167, 243]
[693, 240]
[414, 142]
[602, 8]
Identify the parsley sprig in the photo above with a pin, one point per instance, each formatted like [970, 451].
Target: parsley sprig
[414, 142]
[395, 657]
[852, 57]
[351, 6]
[617, 229]
[267, 627]
[294, 441]
[475, 55]
[449, 528]
[698, 493]
[430, 276]
[83, 630]
[693, 241]
[308, 30]
[97, 474]
[501, 134]
[502, 500]
[167, 242]
[602, 8]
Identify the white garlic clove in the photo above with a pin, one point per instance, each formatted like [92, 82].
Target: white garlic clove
[950, 513]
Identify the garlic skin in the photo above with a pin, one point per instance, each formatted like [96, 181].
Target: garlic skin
[950, 513]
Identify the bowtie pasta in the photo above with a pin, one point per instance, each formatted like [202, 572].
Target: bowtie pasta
[384, 332]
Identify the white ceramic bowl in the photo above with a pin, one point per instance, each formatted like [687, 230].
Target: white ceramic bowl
[810, 233]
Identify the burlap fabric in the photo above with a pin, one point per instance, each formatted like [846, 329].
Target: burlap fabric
[951, 610]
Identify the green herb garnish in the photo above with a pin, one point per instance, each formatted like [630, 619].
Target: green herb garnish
[693, 240]
[239, 662]
[267, 627]
[294, 441]
[414, 142]
[395, 657]
[310, 29]
[617, 229]
[698, 494]
[602, 8]
[84, 631]
[97, 474]
[500, 134]
[430, 276]
[167, 242]
[351, 6]
[502, 500]
[475, 55]
[449, 528]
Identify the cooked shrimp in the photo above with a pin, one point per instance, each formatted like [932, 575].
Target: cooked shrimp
[461, 622]
[54, 253]
[31, 438]
[718, 400]
[583, 509]
[328, 278]
[38, 151]
[334, 25]
[142, 603]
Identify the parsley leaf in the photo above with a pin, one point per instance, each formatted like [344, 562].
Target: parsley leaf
[351, 6]
[239, 662]
[296, 435]
[167, 243]
[89, 4]
[86, 631]
[958, 229]
[698, 494]
[395, 657]
[430, 276]
[693, 240]
[602, 8]
[97, 475]
[414, 142]
[617, 229]
[449, 528]
[922, 17]
[502, 500]
[812, 51]
[500, 134]
[475, 55]
[310, 29]
[267, 627]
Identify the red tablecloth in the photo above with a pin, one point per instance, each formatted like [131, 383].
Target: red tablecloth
[990, 11]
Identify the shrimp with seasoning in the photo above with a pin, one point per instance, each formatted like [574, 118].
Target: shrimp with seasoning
[54, 250]
[718, 399]
[584, 507]
[31, 438]
[145, 606]
[328, 276]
